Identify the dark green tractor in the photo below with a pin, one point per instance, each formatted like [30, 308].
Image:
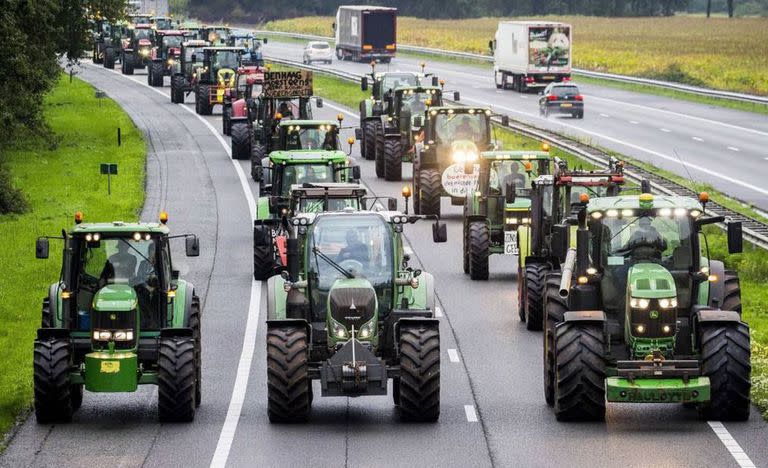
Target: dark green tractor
[185, 69]
[165, 54]
[499, 205]
[640, 313]
[215, 77]
[112, 43]
[350, 313]
[118, 317]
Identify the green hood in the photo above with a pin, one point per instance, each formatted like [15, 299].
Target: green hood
[115, 298]
[650, 280]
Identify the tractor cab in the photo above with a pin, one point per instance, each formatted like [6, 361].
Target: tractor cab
[162, 23]
[287, 168]
[190, 49]
[321, 197]
[217, 35]
[385, 82]
[252, 45]
[140, 19]
[217, 75]
[165, 54]
[193, 31]
[407, 105]
[140, 39]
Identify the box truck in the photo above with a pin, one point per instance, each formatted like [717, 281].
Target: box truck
[365, 33]
[531, 54]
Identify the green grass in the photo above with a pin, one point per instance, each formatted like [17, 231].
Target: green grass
[58, 178]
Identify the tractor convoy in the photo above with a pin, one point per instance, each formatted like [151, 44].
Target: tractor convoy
[632, 306]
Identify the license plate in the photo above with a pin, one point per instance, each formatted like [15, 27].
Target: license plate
[567, 104]
[110, 367]
[548, 77]
[510, 243]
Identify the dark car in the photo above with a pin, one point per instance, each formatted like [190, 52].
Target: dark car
[563, 98]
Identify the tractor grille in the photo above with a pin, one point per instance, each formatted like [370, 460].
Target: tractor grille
[654, 326]
[352, 306]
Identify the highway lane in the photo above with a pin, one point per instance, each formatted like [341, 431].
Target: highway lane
[721, 147]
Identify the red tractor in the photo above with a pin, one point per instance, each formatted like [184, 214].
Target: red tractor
[137, 48]
[164, 55]
[248, 83]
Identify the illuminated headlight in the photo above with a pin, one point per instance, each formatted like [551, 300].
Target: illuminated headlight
[366, 331]
[597, 215]
[665, 212]
[459, 156]
[666, 329]
[526, 220]
[144, 52]
[123, 335]
[303, 221]
[612, 213]
[639, 303]
[640, 329]
[137, 236]
[695, 213]
[512, 221]
[171, 61]
[102, 335]
[92, 237]
[627, 213]
[339, 331]
[680, 212]
[591, 271]
[668, 303]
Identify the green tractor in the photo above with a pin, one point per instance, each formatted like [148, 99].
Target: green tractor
[118, 317]
[137, 48]
[217, 35]
[185, 69]
[639, 313]
[112, 43]
[499, 205]
[164, 56]
[351, 313]
[216, 76]
[552, 199]
[371, 109]
[401, 126]
[452, 136]
[282, 172]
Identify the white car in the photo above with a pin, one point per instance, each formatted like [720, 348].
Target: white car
[317, 51]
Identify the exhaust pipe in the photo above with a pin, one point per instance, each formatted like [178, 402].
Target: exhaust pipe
[568, 266]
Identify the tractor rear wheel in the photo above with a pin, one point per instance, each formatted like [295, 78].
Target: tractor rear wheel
[155, 75]
[202, 100]
[396, 391]
[479, 239]
[369, 140]
[195, 324]
[177, 89]
[46, 314]
[579, 372]
[241, 141]
[226, 120]
[109, 58]
[393, 159]
[263, 257]
[288, 382]
[725, 359]
[127, 64]
[53, 400]
[535, 277]
[258, 152]
[732, 296]
[465, 253]
[419, 373]
[176, 378]
[554, 313]
[76, 396]
[379, 150]
[430, 188]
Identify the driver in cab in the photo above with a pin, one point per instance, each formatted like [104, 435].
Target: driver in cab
[354, 250]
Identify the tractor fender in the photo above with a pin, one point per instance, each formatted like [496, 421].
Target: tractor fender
[276, 298]
[716, 288]
[716, 315]
[262, 208]
[239, 108]
[188, 295]
[298, 323]
[54, 301]
[56, 333]
[475, 218]
[424, 295]
[181, 332]
[588, 316]
[182, 303]
[415, 322]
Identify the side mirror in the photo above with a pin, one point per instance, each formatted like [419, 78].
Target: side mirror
[505, 120]
[319, 102]
[192, 246]
[418, 121]
[490, 45]
[439, 232]
[285, 275]
[194, 58]
[364, 83]
[560, 241]
[355, 172]
[392, 204]
[41, 248]
[265, 40]
[735, 237]
[175, 275]
[645, 186]
[509, 196]
[435, 81]
[456, 96]
[359, 134]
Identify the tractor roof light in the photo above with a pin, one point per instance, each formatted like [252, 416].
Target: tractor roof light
[646, 200]
[406, 191]
[137, 236]
[627, 213]
[545, 146]
[528, 166]
[164, 217]
[584, 198]
[666, 212]
[695, 213]
[612, 213]
[78, 217]
[704, 197]
[680, 212]
[339, 117]
[351, 140]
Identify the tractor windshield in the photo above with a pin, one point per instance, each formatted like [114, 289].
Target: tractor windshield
[450, 127]
[246, 43]
[196, 51]
[505, 172]
[318, 205]
[164, 23]
[361, 245]
[172, 41]
[225, 59]
[298, 174]
[142, 33]
[394, 81]
[311, 138]
[416, 102]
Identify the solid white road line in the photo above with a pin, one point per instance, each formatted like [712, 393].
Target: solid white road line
[228, 430]
[730, 443]
[469, 411]
[453, 355]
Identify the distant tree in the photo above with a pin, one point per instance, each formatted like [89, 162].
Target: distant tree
[730, 8]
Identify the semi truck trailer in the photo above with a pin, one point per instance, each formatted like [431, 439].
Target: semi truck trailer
[365, 33]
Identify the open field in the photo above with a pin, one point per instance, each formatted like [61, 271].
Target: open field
[58, 178]
[717, 53]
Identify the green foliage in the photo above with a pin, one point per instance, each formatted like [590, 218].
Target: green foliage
[11, 199]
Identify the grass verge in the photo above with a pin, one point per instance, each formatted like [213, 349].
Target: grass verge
[752, 265]
[58, 178]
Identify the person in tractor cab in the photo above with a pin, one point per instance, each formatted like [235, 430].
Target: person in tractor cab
[146, 287]
[513, 176]
[465, 130]
[121, 266]
[310, 139]
[355, 249]
[285, 110]
[645, 243]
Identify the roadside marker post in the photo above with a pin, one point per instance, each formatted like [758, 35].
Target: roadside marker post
[109, 169]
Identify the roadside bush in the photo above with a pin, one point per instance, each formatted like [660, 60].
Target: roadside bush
[12, 200]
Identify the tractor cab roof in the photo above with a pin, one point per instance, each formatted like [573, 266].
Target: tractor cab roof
[458, 110]
[307, 123]
[225, 48]
[120, 227]
[169, 32]
[195, 43]
[390, 217]
[416, 89]
[141, 26]
[331, 189]
[308, 157]
[665, 205]
[515, 155]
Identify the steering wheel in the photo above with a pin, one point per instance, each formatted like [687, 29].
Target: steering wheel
[352, 266]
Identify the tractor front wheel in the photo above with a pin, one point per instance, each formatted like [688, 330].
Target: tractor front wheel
[176, 379]
[47, 314]
[155, 75]
[535, 274]
[109, 58]
[554, 313]
[419, 373]
[241, 141]
[430, 189]
[202, 100]
[53, 400]
[479, 240]
[732, 296]
[379, 150]
[369, 140]
[258, 152]
[127, 64]
[196, 324]
[465, 253]
[177, 89]
[226, 120]
[579, 372]
[288, 382]
[725, 356]
[393, 159]
[263, 256]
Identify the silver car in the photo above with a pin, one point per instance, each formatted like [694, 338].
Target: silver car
[317, 51]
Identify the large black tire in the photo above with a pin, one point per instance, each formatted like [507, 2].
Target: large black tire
[725, 359]
[241, 141]
[109, 58]
[430, 190]
[379, 150]
[127, 64]
[156, 73]
[732, 296]
[177, 375]
[263, 260]
[258, 153]
[465, 253]
[479, 243]
[46, 319]
[195, 323]
[76, 396]
[288, 382]
[554, 313]
[419, 373]
[177, 89]
[393, 159]
[368, 146]
[396, 391]
[202, 100]
[226, 120]
[53, 400]
[579, 372]
[535, 286]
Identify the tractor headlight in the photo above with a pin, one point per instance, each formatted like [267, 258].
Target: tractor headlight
[668, 303]
[366, 331]
[639, 303]
[102, 335]
[512, 221]
[339, 331]
[171, 61]
[123, 335]
[144, 52]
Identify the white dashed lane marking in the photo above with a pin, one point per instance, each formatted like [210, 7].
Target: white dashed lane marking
[634, 122]
[469, 410]
[665, 130]
[453, 355]
[604, 115]
[733, 148]
[438, 311]
[698, 139]
[730, 443]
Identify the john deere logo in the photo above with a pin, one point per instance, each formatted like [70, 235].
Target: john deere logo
[654, 314]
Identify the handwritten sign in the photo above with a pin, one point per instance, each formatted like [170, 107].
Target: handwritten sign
[456, 183]
[283, 84]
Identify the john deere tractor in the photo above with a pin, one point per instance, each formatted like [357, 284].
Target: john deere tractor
[452, 137]
[118, 317]
[350, 313]
[137, 48]
[552, 199]
[402, 127]
[641, 314]
[252, 55]
[215, 77]
[499, 205]
[217, 35]
[282, 171]
[112, 43]
[185, 69]
[164, 56]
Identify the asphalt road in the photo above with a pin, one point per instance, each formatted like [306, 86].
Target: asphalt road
[493, 411]
[724, 148]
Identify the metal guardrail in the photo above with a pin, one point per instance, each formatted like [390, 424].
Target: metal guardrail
[755, 231]
[587, 73]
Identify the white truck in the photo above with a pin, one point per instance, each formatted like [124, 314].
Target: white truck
[149, 7]
[531, 54]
